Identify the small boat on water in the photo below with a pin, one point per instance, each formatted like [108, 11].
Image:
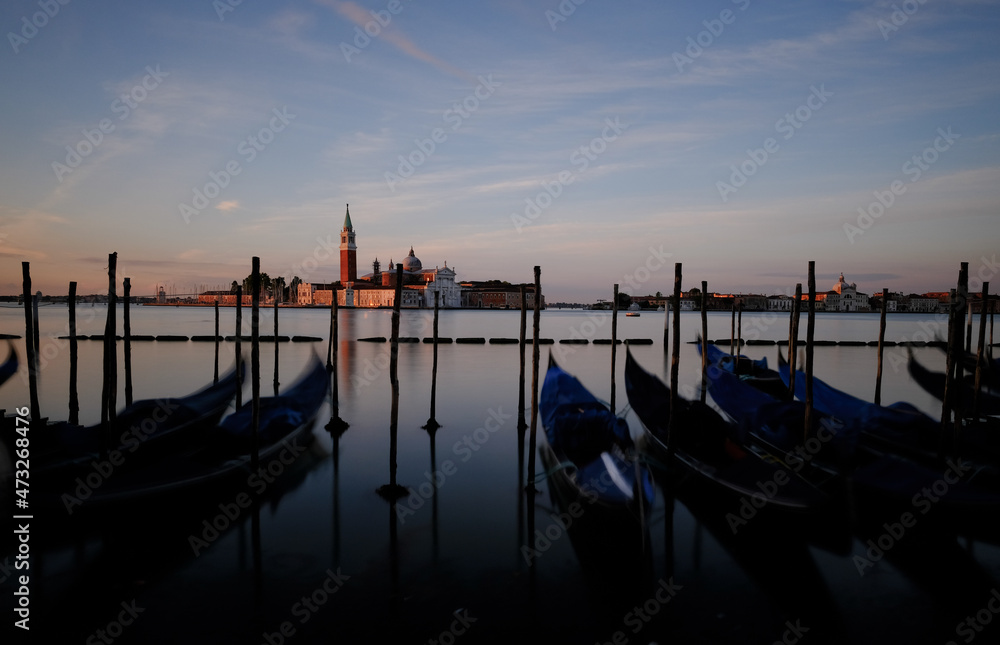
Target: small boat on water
[9, 366]
[934, 382]
[592, 450]
[597, 480]
[207, 465]
[632, 314]
[702, 445]
[879, 479]
[145, 430]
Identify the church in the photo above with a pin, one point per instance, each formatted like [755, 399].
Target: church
[844, 296]
[378, 288]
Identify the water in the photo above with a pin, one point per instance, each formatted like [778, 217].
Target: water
[455, 553]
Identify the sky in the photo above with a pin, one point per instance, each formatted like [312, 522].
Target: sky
[602, 141]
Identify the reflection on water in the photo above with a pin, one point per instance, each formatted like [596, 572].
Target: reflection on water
[323, 558]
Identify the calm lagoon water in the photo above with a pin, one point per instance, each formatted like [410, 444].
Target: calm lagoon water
[426, 572]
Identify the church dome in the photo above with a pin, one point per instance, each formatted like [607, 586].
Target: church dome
[412, 262]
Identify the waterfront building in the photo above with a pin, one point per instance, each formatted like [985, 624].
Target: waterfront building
[845, 297]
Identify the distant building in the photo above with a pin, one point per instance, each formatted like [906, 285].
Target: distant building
[224, 298]
[845, 297]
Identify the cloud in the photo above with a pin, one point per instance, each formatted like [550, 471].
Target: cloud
[228, 205]
[360, 17]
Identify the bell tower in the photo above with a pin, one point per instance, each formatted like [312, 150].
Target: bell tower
[348, 251]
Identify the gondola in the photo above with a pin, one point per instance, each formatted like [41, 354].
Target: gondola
[879, 481]
[144, 431]
[934, 382]
[599, 485]
[222, 458]
[593, 452]
[9, 366]
[755, 371]
[702, 446]
[898, 427]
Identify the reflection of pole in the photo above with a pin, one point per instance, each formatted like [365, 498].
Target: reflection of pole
[394, 595]
[258, 561]
[74, 401]
[881, 340]
[336, 500]
[29, 347]
[435, 541]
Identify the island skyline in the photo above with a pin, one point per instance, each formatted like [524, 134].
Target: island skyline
[602, 143]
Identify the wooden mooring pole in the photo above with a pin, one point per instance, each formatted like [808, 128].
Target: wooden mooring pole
[432, 423]
[29, 345]
[215, 376]
[393, 491]
[810, 335]
[127, 338]
[110, 391]
[74, 399]
[881, 342]
[330, 348]
[239, 348]
[675, 353]
[739, 334]
[704, 340]
[666, 327]
[732, 330]
[532, 434]
[614, 343]
[980, 351]
[949, 371]
[962, 300]
[255, 360]
[275, 287]
[35, 331]
[521, 423]
[793, 338]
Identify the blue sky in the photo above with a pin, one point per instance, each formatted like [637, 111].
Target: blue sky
[603, 141]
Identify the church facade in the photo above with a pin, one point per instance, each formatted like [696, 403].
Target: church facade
[845, 297]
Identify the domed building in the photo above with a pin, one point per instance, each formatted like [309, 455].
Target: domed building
[411, 263]
[845, 297]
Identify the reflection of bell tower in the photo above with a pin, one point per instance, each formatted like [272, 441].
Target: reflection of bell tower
[348, 251]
